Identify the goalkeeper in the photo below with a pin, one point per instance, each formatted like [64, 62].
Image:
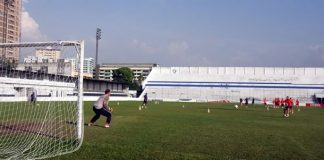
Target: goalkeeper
[101, 107]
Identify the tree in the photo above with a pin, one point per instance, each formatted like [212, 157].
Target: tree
[134, 86]
[123, 75]
[8, 63]
[140, 79]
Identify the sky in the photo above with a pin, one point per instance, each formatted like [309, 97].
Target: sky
[232, 33]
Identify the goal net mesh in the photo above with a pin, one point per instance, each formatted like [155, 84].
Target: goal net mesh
[41, 112]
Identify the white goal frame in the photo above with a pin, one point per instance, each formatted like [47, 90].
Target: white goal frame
[79, 46]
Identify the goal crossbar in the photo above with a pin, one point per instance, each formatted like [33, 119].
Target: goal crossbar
[40, 44]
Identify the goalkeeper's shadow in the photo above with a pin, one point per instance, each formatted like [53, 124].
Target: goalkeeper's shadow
[93, 125]
[85, 124]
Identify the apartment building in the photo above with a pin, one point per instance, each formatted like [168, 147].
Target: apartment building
[10, 28]
[140, 70]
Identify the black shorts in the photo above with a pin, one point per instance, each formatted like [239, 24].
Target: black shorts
[102, 111]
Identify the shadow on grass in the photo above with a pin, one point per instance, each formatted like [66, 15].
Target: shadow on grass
[233, 109]
[94, 125]
[275, 116]
[85, 124]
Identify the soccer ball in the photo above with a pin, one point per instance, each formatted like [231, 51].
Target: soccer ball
[236, 106]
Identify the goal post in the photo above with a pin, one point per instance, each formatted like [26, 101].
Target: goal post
[80, 121]
[41, 99]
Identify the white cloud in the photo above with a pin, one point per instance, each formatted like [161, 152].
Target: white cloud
[30, 28]
[178, 48]
[143, 46]
[318, 49]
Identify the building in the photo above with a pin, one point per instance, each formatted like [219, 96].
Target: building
[61, 67]
[48, 61]
[44, 55]
[66, 67]
[48, 54]
[88, 67]
[74, 67]
[10, 28]
[233, 83]
[140, 70]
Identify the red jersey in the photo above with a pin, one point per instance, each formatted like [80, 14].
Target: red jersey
[297, 102]
[291, 102]
[287, 102]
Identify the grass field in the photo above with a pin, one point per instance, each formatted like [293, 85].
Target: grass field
[168, 131]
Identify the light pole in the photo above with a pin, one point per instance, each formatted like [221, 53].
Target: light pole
[98, 37]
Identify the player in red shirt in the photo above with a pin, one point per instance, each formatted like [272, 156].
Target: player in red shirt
[290, 107]
[287, 103]
[265, 101]
[277, 102]
[297, 104]
[282, 103]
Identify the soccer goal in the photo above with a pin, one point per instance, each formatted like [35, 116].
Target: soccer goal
[41, 103]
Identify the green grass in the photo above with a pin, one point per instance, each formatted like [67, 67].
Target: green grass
[168, 131]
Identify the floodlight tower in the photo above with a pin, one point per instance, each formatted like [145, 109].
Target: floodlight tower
[98, 37]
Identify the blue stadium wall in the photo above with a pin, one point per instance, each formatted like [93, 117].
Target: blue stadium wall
[233, 83]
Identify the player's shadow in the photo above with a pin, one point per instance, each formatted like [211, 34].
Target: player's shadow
[94, 125]
[218, 109]
[279, 116]
[85, 124]
[70, 122]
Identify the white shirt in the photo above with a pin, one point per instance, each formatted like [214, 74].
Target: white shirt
[100, 102]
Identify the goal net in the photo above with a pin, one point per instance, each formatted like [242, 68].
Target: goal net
[41, 106]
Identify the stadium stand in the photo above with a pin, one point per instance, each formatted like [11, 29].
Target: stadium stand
[19, 85]
[229, 84]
